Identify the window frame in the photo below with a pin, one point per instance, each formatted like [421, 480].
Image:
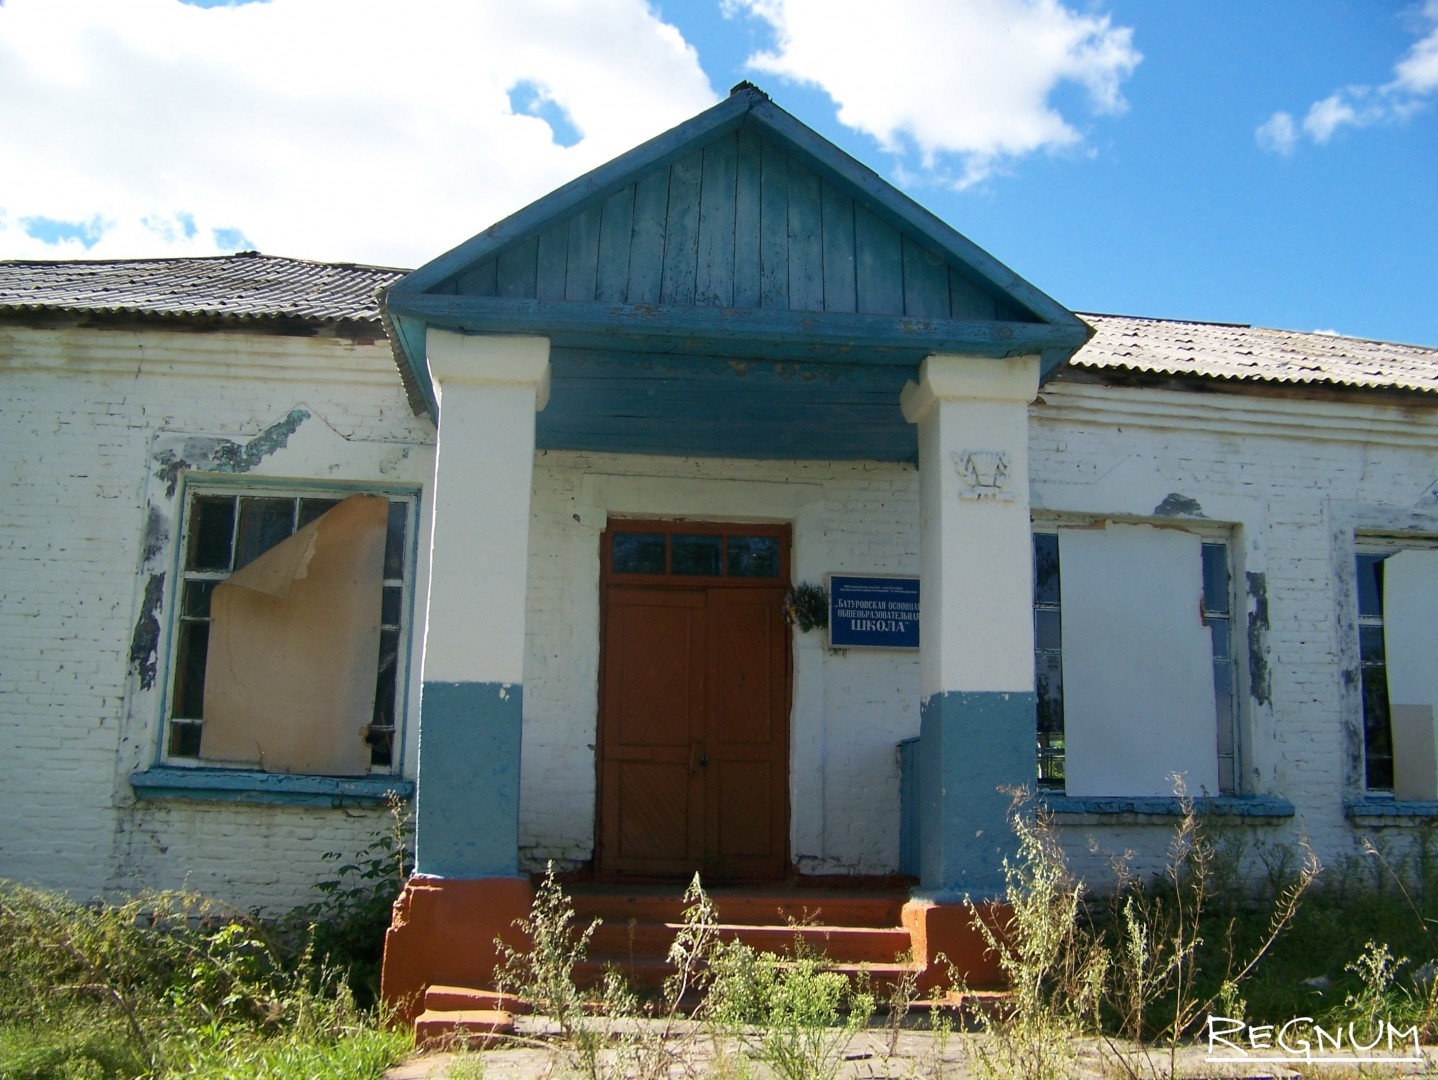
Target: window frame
[295, 490]
[1229, 746]
[1379, 546]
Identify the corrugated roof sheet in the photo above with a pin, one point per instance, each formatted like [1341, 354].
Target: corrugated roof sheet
[244, 286]
[254, 286]
[1253, 354]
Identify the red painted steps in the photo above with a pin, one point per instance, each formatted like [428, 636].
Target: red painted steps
[459, 1015]
[852, 930]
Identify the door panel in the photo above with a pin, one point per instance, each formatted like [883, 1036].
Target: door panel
[694, 754]
[654, 685]
[746, 795]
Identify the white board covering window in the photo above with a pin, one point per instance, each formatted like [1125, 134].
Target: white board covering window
[1138, 679]
[1410, 617]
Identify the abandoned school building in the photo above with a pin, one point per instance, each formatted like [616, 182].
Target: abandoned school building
[512, 535]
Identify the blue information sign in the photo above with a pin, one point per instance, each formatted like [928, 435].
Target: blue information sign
[873, 612]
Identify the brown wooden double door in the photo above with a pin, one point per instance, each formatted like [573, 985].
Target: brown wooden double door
[693, 732]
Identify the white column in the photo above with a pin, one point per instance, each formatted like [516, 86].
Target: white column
[489, 389]
[976, 623]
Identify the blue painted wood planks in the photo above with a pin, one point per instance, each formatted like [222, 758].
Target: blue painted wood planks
[739, 223]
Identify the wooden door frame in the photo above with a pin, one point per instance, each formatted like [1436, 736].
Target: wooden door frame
[608, 578]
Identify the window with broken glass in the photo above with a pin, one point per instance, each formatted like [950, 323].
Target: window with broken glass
[1373, 662]
[225, 532]
[1217, 610]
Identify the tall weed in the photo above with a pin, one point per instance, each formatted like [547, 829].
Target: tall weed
[163, 984]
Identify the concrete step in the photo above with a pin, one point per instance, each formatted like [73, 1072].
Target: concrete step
[842, 943]
[649, 973]
[466, 998]
[824, 907]
[475, 1028]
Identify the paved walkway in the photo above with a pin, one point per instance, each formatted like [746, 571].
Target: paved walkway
[876, 1054]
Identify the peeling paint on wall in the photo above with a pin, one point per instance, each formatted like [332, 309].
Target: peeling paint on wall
[145, 642]
[1176, 505]
[157, 534]
[1259, 685]
[226, 455]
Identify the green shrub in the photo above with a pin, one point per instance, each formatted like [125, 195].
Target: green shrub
[168, 984]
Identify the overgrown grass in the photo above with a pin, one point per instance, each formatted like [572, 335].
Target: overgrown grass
[174, 984]
[170, 984]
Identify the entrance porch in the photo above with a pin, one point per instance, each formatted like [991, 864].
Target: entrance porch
[806, 357]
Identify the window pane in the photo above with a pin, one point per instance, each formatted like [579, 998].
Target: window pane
[381, 733]
[1046, 568]
[1048, 630]
[185, 740]
[1370, 585]
[381, 746]
[753, 556]
[1223, 696]
[263, 524]
[698, 556]
[1220, 629]
[310, 509]
[1049, 684]
[385, 680]
[212, 525]
[1215, 578]
[190, 671]
[394, 541]
[197, 599]
[391, 605]
[637, 553]
[1370, 646]
[1377, 735]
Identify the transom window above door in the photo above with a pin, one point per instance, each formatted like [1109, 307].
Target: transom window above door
[681, 549]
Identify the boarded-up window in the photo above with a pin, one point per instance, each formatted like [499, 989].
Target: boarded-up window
[1409, 618]
[288, 643]
[1128, 676]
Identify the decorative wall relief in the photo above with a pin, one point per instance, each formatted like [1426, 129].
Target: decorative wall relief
[983, 474]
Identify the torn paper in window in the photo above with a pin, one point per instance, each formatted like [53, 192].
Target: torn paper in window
[294, 641]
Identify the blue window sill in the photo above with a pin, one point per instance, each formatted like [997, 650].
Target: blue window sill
[1370, 811]
[1111, 807]
[253, 786]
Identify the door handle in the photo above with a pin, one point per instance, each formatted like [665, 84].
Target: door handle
[697, 757]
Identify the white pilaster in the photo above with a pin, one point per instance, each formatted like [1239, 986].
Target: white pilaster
[975, 546]
[489, 389]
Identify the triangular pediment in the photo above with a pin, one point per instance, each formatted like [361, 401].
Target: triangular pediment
[743, 235]
[739, 222]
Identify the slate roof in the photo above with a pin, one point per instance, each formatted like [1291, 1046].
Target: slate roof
[254, 287]
[247, 286]
[1253, 354]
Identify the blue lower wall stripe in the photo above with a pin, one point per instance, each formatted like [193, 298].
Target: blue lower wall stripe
[973, 743]
[467, 803]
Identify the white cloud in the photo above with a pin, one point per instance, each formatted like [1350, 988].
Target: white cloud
[331, 129]
[1417, 73]
[1278, 133]
[1327, 116]
[973, 81]
[1415, 77]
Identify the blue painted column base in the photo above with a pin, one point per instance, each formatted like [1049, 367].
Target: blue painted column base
[467, 795]
[971, 745]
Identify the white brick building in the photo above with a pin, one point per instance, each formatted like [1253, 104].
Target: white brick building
[1233, 531]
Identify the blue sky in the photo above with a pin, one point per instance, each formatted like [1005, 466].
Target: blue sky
[1272, 163]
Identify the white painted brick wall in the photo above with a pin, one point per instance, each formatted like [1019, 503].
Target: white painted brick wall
[844, 777]
[79, 411]
[1291, 479]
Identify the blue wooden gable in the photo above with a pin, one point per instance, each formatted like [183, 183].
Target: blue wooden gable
[737, 286]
